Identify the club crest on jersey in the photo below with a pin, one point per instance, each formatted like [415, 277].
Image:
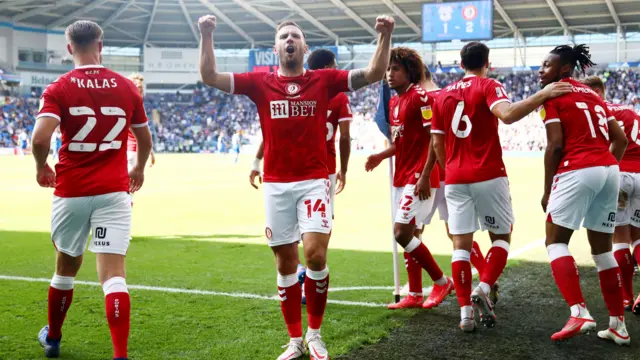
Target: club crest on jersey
[292, 88]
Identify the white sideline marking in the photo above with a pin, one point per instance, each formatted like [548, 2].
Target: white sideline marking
[192, 291]
[426, 291]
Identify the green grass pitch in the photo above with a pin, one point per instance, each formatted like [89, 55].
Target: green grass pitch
[198, 225]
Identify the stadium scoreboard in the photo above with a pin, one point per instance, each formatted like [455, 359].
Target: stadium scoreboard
[465, 20]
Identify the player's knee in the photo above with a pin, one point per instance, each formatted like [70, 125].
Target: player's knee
[116, 284]
[503, 237]
[67, 265]
[403, 234]
[316, 259]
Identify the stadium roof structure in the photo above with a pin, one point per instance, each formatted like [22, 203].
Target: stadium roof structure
[251, 23]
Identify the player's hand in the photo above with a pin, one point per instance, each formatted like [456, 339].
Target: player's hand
[385, 24]
[557, 89]
[252, 178]
[46, 177]
[423, 188]
[153, 159]
[136, 179]
[341, 178]
[207, 24]
[372, 162]
[545, 202]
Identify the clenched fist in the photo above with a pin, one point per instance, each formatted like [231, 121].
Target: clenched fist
[207, 24]
[385, 24]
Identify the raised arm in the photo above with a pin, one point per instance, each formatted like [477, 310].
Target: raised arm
[380, 60]
[208, 72]
[510, 113]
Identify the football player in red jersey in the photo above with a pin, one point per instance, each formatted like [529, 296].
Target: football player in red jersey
[410, 115]
[338, 116]
[477, 190]
[582, 177]
[292, 104]
[627, 219]
[94, 107]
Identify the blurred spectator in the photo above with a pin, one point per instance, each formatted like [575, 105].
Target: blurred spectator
[196, 122]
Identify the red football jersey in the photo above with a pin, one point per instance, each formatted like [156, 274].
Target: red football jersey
[584, 118]
[95, 107]
[293, 117]
[132, 143]
[629, 121]
[463, 115]
[410, 113]
[339, 111]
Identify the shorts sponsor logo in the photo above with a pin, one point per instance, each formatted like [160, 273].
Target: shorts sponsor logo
[100, 233]
[636, 214]
[101, 243]
[490, 222]
[325, 223]
[268, 233]
[611, 220]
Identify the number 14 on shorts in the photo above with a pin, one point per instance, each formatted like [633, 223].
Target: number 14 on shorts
[318, 206]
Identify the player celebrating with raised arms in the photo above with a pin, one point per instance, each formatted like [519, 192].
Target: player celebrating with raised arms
[581, 184]
[292, 104]
[94, 107]
[410, 116]
[477, 190]
[627, 220]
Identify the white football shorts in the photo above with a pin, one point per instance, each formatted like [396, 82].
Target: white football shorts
[409, 209]
[629, 200]
[295, 208]
[588, 196]
[440, 204]
[107, 217]
[483, 205]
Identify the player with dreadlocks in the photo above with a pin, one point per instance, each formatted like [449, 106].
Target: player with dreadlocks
[584, 145]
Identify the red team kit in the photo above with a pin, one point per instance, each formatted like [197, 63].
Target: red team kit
[299, 117]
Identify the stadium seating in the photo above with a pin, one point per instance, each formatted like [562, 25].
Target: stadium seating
[194, 122]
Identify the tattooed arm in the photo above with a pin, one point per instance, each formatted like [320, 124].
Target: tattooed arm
[380, 60]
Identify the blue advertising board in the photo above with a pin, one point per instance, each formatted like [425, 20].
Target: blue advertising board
[465, 20]
[265, 60]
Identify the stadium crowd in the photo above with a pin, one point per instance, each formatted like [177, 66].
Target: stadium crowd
[207, 119]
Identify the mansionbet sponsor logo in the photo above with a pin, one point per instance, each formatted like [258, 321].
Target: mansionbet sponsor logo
[282, 109]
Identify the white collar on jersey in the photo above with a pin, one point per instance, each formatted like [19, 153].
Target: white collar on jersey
[89, 66]
[468, 76]
[304, 71]
[409, 87]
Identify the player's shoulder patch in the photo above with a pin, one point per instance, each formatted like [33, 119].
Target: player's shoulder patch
[543, 112]
[427, 112]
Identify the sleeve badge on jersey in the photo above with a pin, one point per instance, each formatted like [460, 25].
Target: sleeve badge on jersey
[427, 113]
[543, 113]
[41, 105]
